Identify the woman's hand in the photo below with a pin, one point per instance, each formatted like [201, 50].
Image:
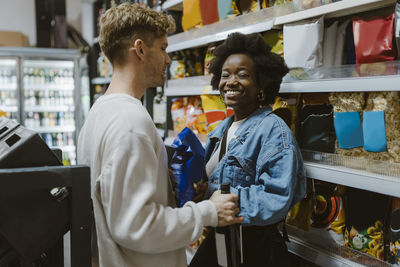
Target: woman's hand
[200, 189]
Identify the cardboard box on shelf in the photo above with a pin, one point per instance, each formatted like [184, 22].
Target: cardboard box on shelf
[9, 38]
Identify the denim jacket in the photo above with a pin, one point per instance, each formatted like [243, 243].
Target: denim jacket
[263, 164]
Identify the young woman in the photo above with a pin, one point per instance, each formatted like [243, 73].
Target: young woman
[260, 159]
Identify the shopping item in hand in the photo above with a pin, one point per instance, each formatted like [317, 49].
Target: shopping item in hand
[228, 240]
[187, 164]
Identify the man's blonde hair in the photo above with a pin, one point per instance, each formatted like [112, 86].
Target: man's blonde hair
[121, 25]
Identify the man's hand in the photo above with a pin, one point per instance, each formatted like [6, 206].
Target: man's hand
[200, 189]
[227, 208]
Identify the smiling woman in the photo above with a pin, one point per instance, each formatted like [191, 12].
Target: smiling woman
[261, 159]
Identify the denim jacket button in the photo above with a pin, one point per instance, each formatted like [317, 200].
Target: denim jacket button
[247, 178]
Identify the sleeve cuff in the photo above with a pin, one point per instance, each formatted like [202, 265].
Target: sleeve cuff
[208, 212]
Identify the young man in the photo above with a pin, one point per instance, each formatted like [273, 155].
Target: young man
[137, 221]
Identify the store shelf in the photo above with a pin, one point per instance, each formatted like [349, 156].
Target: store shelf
[195, 85]
[332, 10]
[55, 129]
[360, 84]
[9, 108]
[8, 87]
[335, 79]
[266, 19]
[8, 62]
[58, 87]
[59, 108]
[101, 80]
[388, 185]
[176, 5]
[318, 255]
[49, 64]
[379, 76]
[253, 22]
[325, 252]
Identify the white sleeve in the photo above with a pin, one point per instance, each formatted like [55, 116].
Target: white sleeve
[128, 184]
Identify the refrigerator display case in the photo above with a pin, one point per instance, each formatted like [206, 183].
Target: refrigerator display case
[44, 89]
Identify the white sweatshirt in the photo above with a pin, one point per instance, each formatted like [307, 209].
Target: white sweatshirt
[137, 221]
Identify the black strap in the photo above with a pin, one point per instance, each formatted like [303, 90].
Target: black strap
[223, 145]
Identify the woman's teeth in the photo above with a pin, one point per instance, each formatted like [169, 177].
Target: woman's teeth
[232, 92]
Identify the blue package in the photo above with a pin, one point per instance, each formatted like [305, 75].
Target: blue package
[187, 164]
[374, 131]
[348, 129]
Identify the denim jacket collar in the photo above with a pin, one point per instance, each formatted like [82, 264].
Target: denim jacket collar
[242, 132]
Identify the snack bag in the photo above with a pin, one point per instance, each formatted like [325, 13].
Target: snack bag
[207, 59]
[178, 113]
[215, 110]
[227, 9]
[191, 14]
[177, 67]
[195, 117]
[373, 39]
[187, 165]
[274, 38]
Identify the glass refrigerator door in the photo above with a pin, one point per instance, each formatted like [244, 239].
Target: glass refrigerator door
[9, 88]
[49, 103]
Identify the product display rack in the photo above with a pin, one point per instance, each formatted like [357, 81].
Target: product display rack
[44, 89]
[335, 79]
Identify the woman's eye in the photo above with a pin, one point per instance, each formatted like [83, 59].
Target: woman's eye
[243, 75]
[224, 75]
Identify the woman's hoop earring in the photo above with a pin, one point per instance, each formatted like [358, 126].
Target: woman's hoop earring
[261, 96]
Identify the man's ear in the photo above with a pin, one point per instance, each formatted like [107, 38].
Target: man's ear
[138, 48]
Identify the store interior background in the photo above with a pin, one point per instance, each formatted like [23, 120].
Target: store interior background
[19, 15]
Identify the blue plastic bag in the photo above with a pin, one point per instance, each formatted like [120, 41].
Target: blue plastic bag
[187, 164]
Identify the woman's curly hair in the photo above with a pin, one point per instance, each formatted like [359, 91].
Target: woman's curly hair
[123, 24]
[270, 68]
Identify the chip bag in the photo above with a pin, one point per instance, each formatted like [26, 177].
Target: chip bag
[187, 165]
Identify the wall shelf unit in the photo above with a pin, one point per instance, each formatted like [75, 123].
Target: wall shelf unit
[175, 5]
[336, 79]
[348, 78]
[267, 18]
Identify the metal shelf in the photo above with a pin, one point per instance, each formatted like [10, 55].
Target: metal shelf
[49, 64]
[8, 87]
[332, 10]
[266, 19]
[58, 87]
[55, 129]
[9, 108]
[196, 85]
[249, 23]
[387, 185]
[175, 5]
[356, 84]
[101, 80]
[335, 79]
[60, 108]
[318, 255]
